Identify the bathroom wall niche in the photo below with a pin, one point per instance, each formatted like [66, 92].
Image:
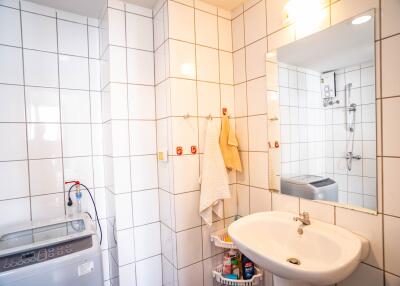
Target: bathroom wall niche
[322, 115]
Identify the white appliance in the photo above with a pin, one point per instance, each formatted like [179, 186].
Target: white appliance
[64, 251]
[310, 187]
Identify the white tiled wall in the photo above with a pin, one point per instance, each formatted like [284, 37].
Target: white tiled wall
[130, 145]
[381, 267]
[50, 106]
[194, 79]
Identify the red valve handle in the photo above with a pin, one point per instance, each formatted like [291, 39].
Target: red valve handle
[72, 182]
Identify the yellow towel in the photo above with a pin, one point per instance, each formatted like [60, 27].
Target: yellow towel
[229, 146]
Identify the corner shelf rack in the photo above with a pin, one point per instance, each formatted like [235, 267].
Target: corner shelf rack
[219, 238]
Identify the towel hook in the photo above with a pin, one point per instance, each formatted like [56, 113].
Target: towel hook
[186, 116]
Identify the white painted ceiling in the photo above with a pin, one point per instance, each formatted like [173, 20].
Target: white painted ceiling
[90, 8]
[339, 46]
[225, 4]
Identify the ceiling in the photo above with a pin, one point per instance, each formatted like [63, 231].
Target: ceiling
[92, 8]
[225, 4]
[339, 46]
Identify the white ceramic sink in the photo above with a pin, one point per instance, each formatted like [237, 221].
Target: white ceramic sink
[327, 253]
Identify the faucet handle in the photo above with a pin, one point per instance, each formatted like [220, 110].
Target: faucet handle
[305, 214]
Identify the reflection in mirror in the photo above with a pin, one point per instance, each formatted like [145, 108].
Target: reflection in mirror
[327, 122]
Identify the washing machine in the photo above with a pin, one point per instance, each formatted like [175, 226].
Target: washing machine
[63, 252]
[310, 187]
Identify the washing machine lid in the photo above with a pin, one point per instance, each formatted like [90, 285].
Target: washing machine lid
[42, 233]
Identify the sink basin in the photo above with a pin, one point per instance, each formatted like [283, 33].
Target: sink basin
[327, 253]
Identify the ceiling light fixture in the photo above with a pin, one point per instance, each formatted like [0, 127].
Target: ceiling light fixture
[361, 20]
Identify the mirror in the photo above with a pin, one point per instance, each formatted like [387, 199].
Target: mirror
[322, 115]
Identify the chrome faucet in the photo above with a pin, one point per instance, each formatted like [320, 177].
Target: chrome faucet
[304, 218]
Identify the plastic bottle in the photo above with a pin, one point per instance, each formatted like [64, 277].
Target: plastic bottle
[227, 265]
[247, 268]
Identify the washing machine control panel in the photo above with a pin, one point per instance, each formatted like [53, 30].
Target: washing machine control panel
[39, 255]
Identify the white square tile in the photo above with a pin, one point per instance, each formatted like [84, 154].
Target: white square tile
[228, 98]
[75, 106]
[189, 246]
[44, 140]
[117, 64]
[72, 146]
[120, 138]
[145, 207]
[147, 241]
[38, 9]
[158, 28]
[189, 182]
[39, 32]
[149, 272]
[208, 99]
[258, 135]
[17, 172]
[255, 23]
[367, 225]
[79, 167]
[118, 101]
[391, 280]
[40, 68]
[183, 97]
[243, 177]
[390, 21]
[11, 65]
[94, 74]
[141, 101]
[257, 96]
[285, 203]
[226, 67]
[239, 63]
[238, 33]
[116, 26]
[181, 22]
[207, 64]
[139, 32]
[206, 29]
[364, 275]
[12, 103]
[142, 137]
[258, 169]
[390, 66]
[42, 104]
[240, 100]
[191, 275]
[14, 148]
[72, 38]
[12, 34]
[182, 59]
[123, 211]
[243, 194]
[126, 250]
[225, 34]
[20, 208]
[94, 42]
[186, 210]
[74, 72]
[140, 67]
[260, 200]
[255, 57]
[47, 206]
[121, 175]
[127, 275]
[390, 108]
[46, 176]
[160, 66]
[390, 177]
[144, 172]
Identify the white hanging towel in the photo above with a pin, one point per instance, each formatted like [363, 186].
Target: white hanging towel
[214, 178]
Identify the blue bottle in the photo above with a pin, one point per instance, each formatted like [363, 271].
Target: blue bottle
[247, 268]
